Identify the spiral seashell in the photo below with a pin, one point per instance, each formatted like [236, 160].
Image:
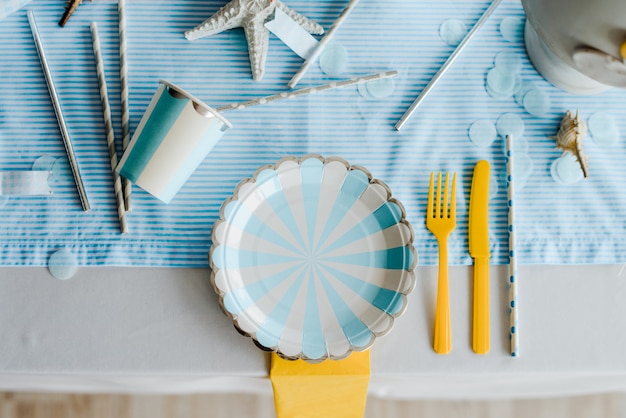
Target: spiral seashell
[570, 136]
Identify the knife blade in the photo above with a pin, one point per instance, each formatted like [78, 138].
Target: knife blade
[479, 250]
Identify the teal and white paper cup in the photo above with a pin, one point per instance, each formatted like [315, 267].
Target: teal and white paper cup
[176, 133]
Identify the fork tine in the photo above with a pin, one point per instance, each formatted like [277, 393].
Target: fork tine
[446, 195]
[453, 198]
[439, 209]
[430, 210]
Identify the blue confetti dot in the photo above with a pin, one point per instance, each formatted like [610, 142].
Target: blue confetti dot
[512, 28]
[523, 166]
[602, 128]
[566, 170]
[512, 304]
[514, 354]
[512, 330]
[501, 82]
[508, 61]
[510, 202]
[511, 229]
[510, 124]
[44, 163]
[512, 279]
[452, 31]
[62, 264]
[334, 59]
[482, 133]
[510, 178]
[512, 254]
[379, 89]
[536, 102]
[362, 89]
[61, 171]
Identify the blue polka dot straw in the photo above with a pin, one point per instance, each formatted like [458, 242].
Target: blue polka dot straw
[512, 256]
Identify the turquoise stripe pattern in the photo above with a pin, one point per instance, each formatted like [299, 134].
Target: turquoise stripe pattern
[295, 285]
[355, 123]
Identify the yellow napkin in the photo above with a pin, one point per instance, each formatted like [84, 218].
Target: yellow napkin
[333, 388]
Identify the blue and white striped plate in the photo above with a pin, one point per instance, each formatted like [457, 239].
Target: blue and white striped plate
[312, 258]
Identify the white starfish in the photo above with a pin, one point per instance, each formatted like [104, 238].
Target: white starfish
[251, 15]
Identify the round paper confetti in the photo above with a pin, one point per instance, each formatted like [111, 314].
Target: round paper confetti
[61, 171]
[566, 169]
[536, 102]
[508, 61]
[380, 88]
[602, 128]
[482, 133]
[501, 81]
[44, 163]
[512, 28]
[452, 31]
[523, 166]
[362, 89]
[334, 59]
[521, 90]
[62, 264]
[510, 124]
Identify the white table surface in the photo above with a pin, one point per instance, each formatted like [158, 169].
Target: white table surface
[159, 330]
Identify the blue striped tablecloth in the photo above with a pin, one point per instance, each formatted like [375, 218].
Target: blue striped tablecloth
[581, 223]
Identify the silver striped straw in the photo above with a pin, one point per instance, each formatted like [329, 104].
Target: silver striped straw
[322, 44]
[106, 111]
[510, 182]
[309, 90]
[121, 7]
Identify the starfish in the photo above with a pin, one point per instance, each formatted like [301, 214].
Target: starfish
[250, 15]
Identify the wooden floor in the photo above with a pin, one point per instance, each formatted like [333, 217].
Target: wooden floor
[32, 405]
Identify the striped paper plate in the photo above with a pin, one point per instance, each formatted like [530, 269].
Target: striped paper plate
[312, 258]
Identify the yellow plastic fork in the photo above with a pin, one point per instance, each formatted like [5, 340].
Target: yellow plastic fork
[441, 222]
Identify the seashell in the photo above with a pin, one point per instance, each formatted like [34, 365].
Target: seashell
[570, 136]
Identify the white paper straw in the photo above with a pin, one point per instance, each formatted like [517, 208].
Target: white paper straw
[446, 65]
[69, 149]
[322, 43]
[127, 185]
[510, 181]
[108, 124]
[301, 92]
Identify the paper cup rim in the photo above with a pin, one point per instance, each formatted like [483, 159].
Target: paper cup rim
[196, 100]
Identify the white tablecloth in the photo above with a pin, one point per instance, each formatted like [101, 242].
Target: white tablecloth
[158, 330]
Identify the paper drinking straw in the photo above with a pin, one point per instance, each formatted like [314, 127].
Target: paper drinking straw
[106, 111]
[127, 185]
[322, 43]
[69, 149]
[446, 65]
[301, 92]
[510, 181]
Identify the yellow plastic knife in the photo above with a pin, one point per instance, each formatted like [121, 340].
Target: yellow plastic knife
[479, 250]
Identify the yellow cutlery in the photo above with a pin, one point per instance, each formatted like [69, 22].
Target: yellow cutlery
[441, 223]
[479, 250]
